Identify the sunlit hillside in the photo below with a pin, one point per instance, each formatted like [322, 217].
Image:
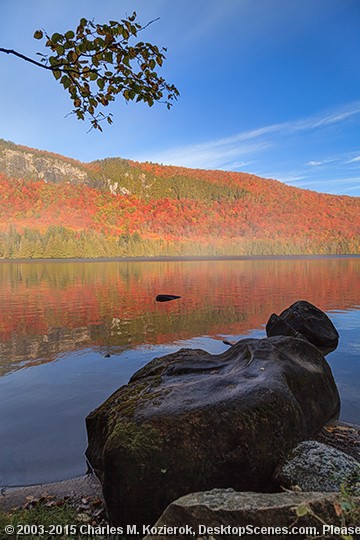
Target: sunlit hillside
[52, 206]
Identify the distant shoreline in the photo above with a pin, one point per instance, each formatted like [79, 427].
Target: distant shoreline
[186, 258]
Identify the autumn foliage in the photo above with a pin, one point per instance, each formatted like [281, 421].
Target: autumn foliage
[126, 208]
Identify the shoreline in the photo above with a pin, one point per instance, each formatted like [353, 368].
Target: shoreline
[79, 487]
[189, 258]
[88, 485]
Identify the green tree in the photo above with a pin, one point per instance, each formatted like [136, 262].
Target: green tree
[96, 62]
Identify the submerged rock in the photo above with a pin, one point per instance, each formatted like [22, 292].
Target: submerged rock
[191, 421]
[306, 321]
[313, 466]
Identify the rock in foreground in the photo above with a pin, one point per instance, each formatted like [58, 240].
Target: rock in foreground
[313, 466]
[192, 421]
[223, 513]
[306, 321]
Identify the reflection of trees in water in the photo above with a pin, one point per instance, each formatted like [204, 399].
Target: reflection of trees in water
[50, 308]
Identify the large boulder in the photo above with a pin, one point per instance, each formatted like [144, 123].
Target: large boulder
[314, 466]
[306, 321]
[221, 514]
[191, 421]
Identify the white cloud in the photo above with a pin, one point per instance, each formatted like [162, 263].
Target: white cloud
[218, 153]
[318, 163]
[315, 163]
[213, 155]
[291, 178]
[340, 181]
[354, 160]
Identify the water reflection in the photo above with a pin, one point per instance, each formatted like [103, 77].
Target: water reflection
[60, 320]
[51, 308]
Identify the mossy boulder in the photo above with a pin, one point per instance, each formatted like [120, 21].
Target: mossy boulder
[191, 421]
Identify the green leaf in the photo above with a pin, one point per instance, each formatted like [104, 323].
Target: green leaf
[109, 57]
[70, 34]
[302, 510]
[56, 37]
[38, 34]
[101, 83]
[65, 81]
[83, 22]
[57, 74]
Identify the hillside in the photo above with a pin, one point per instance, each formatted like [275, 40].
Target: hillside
[52, 206]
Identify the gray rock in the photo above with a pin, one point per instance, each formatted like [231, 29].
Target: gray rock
[315, 466]
[192, 421]
[306, 321]
[223, 513]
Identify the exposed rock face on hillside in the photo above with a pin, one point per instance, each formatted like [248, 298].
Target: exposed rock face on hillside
[192, 421]
[26, 164]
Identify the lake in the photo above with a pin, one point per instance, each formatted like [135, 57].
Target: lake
[71, 333]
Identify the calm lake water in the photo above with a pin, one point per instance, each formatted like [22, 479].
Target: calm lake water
[60, 320]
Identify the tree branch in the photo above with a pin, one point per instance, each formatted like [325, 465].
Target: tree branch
[26, 58]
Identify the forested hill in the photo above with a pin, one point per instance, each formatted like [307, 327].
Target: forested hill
[53, 206]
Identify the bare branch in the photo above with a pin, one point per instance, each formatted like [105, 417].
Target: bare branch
[26, 58]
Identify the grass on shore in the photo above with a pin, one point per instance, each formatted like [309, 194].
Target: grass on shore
[47, 518]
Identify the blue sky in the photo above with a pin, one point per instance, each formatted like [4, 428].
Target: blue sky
[270, 87]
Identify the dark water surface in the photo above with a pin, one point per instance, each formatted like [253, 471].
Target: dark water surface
[59, 320]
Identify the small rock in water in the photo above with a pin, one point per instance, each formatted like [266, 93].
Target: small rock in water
[227, 342]
[166, 297]
[305, 321]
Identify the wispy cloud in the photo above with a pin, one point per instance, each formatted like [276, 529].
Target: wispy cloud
[319, 163]
[337, 185]
[354, 160]
[212, 155]
[314, 163]
[291, 178]
[225, 152]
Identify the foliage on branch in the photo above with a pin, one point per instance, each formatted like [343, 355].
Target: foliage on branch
[96, 62]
